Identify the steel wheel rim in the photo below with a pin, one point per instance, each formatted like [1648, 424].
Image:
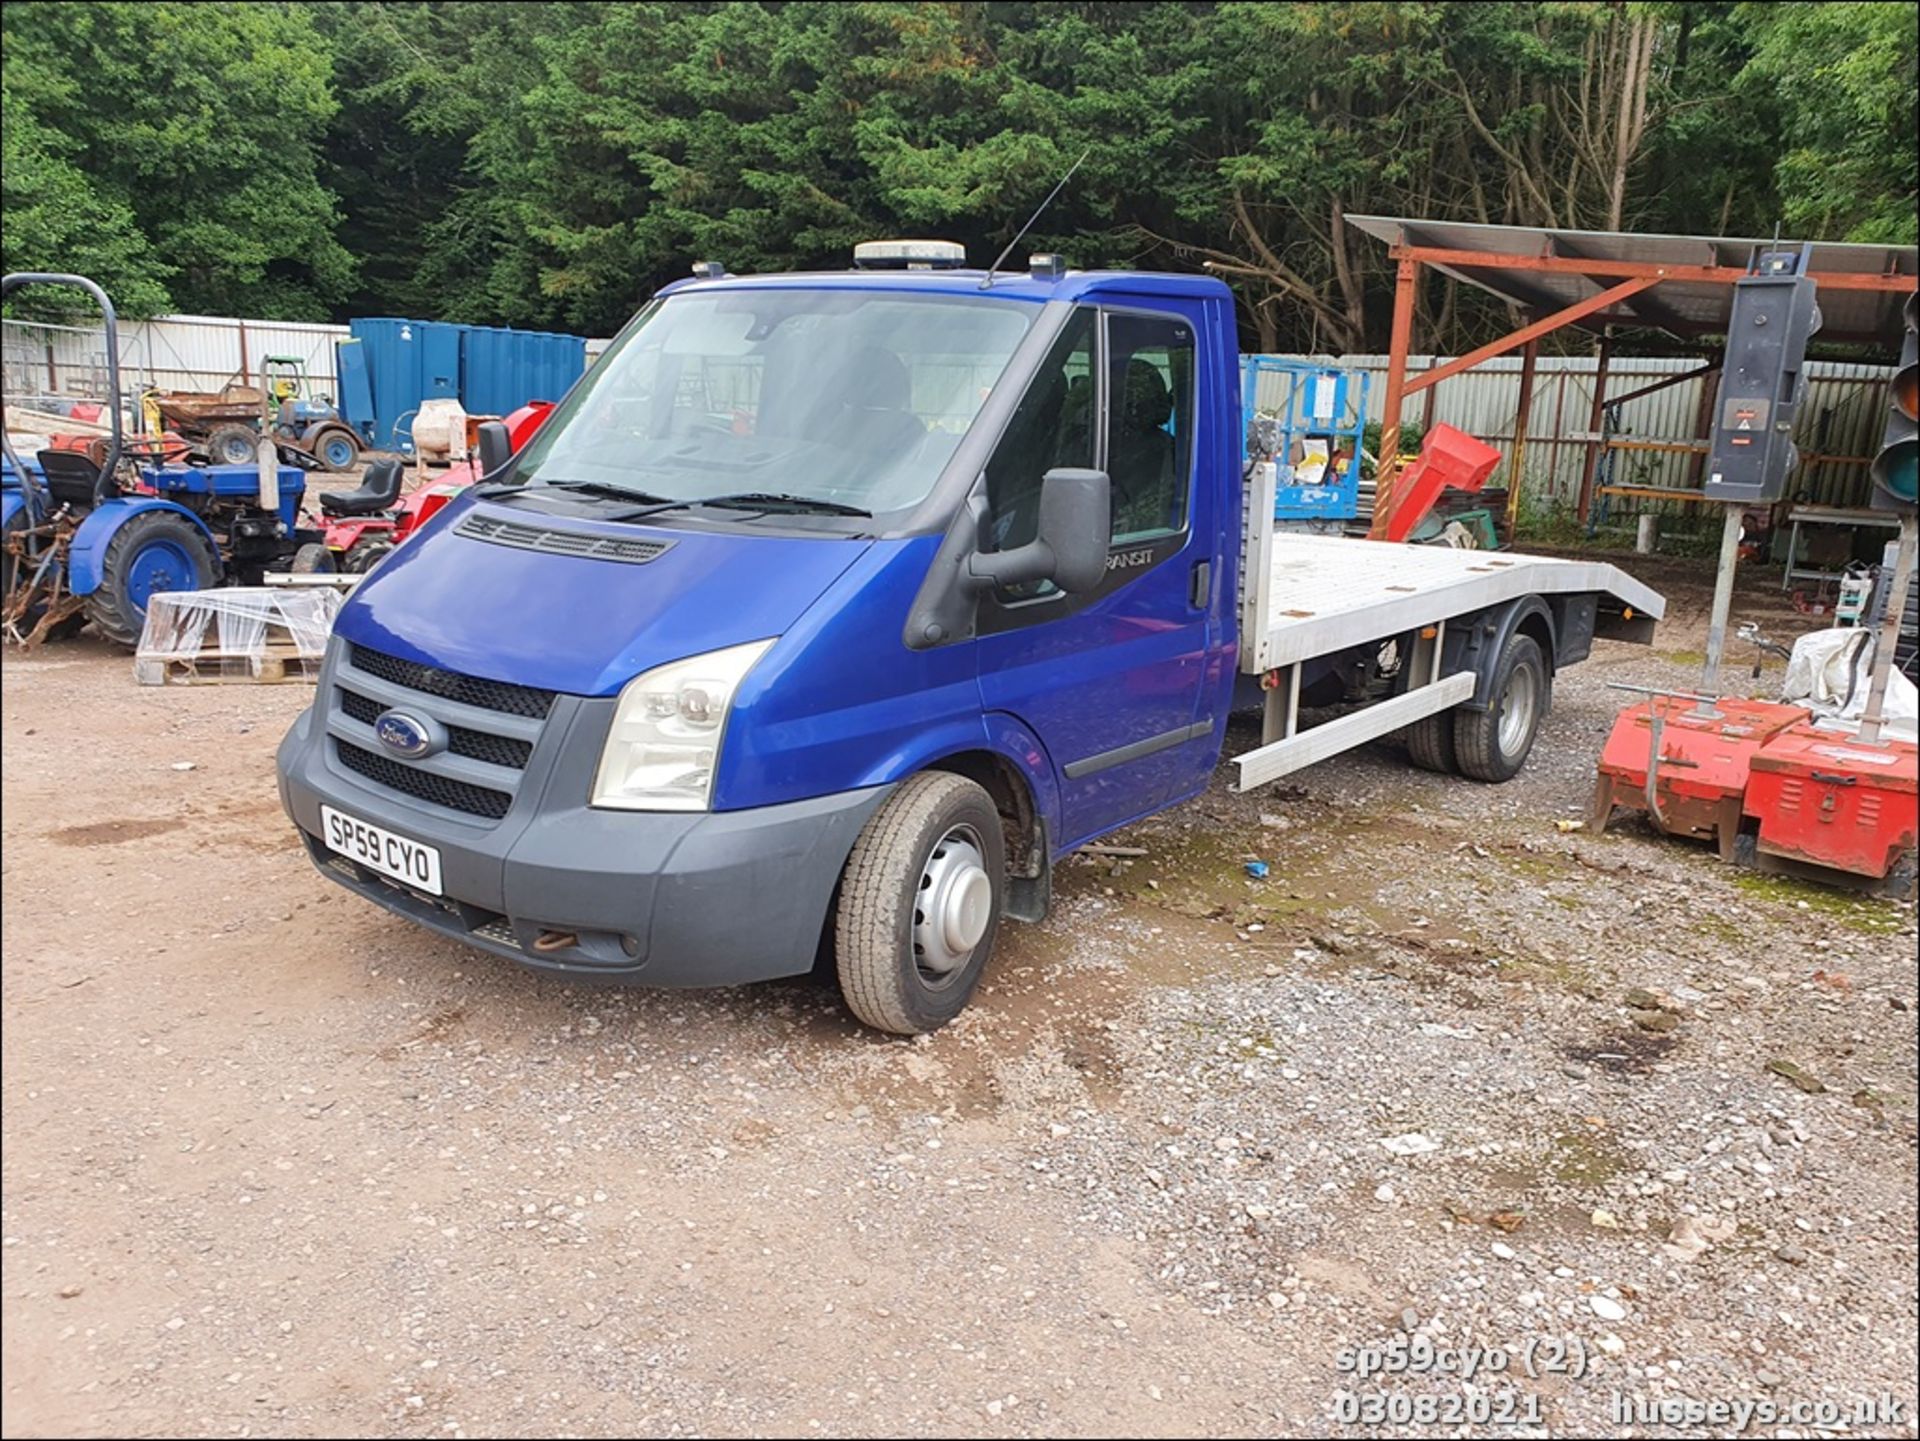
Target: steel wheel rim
[1517, 708]
[952, 906]
[157, 567]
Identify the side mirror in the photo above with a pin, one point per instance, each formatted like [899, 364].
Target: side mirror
[496, 449]
[1076, 521]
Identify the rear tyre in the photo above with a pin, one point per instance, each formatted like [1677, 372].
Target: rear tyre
[1430, 743]
[337, 449]
[233, 445]
[312, 559]
[364, 556]
[1492, 745]
[919, 904]
[158, 550]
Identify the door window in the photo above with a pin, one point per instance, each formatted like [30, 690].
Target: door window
[1150, 411]
[1054, 425]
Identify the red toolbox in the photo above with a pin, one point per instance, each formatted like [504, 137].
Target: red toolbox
[1704, 763]
[1823, 798]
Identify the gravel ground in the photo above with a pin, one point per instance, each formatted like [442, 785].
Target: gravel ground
[277, 1163]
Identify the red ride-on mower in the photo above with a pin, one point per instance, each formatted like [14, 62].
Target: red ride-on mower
[362, 525]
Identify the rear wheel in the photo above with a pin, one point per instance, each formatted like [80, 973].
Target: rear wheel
[233, 445]
[364, 555]
[1492, 745]
[919, 904]
[1430, 743]
[156, 551]
[337, 449]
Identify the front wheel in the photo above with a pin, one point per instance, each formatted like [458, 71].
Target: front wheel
[312, 559]
[233, 445]
[919, 904]
[158, 550]
[1492, 745]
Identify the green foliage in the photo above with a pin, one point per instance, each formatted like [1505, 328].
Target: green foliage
[553, 163]
[1845, 76]
[200, 123]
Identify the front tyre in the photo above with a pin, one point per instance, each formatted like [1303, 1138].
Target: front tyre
[919, 905]
[1492, 745]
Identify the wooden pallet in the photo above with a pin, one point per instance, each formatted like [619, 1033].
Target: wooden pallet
[276, 665]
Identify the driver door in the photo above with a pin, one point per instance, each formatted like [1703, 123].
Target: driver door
[1110, 680]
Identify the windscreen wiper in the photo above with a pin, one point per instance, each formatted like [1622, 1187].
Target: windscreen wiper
[772, 500]
[598, 488]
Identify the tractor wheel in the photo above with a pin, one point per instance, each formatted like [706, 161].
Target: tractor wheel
[157, 550]
[312, 559]
[337, 448]
[233, 444]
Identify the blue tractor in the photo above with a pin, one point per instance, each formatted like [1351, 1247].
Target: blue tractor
[93, 537]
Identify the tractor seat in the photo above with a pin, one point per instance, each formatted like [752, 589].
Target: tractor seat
[71, 476]
[379, 489]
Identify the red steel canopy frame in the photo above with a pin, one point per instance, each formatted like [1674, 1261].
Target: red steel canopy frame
[1597, 280]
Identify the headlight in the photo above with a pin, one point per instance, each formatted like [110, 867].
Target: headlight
[665, 742]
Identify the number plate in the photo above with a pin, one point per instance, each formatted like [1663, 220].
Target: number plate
[381, 850]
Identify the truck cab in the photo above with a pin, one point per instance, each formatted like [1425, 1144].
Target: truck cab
[821, 618]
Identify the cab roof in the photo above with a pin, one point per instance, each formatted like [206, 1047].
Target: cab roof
[1007, 284]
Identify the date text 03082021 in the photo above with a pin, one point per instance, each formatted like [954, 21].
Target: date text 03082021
[1419, 1356]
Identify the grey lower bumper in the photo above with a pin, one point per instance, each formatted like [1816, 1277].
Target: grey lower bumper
[653, 898]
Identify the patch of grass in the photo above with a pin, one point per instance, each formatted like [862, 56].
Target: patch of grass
[1719, 928]
[1865, 914]
[1580, 1158]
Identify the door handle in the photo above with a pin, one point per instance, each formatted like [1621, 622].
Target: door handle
[1201, 589]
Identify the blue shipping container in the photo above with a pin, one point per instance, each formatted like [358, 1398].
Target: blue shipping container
[501, 370]
[399, 363]
[407, 361]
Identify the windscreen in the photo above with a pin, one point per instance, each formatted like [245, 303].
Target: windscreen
[855, 397]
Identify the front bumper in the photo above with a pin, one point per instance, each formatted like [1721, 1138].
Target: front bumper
[652, 898]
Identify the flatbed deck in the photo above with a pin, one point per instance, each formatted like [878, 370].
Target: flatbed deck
[1320, 594]
[1305, 597]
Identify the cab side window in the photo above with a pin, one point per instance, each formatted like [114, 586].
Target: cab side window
[1054, 425]
[1150, 409]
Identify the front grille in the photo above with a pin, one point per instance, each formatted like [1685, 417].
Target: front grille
[550, 541]
[475, 745]
[503, 696]
[423, 785]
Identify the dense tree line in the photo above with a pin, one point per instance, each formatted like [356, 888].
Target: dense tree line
[550, 164]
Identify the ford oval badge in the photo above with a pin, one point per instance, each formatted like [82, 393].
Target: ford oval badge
[406, 735]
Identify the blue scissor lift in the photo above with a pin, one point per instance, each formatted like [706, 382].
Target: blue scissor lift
[1317, 403]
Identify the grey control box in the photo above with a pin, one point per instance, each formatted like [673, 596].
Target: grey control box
[1762, 383]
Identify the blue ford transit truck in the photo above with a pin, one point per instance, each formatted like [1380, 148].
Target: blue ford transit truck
[829, 611]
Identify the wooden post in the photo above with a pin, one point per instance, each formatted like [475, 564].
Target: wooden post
[1522, 422]
[245, 377]
[1387, 464]
[1594, 421]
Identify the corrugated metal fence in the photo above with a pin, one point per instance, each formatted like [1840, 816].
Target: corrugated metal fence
[172, 352]
[1839, 424]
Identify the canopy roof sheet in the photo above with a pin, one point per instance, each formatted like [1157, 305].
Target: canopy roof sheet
[1544, 270]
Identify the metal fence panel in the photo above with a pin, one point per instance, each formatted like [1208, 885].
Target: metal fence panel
[1838, 428]
[170, 352]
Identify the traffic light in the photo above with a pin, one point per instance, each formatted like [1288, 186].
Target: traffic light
[1762, 382]
[1897, 462]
